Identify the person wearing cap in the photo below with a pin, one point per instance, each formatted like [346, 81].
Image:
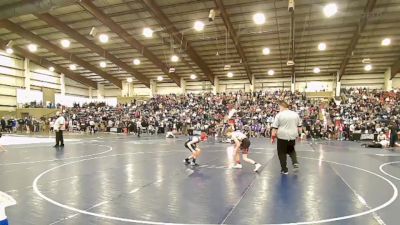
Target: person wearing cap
[242, 145]
[59, 127]
[287, 127]
[192, 144]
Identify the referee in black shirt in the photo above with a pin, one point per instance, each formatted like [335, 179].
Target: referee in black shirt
[286, 128]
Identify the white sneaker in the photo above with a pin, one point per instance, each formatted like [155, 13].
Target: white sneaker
[257, 167]
[237, 166]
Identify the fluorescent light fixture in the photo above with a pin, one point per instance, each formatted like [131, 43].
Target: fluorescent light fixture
[322, 46]
[174, 58]
[32, 47]
[259, 18]
[103, 64]
[65, 43]
[136, 62]
[9, 50]
[266, 51]
[330, 9]
[148, 32]
[386, 42]
[103, 38]
[198, 26]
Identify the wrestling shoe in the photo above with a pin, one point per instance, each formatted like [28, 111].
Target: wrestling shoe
[296, 167]
[284, 172]
[257, 167]
[237, 166]
[194, 164]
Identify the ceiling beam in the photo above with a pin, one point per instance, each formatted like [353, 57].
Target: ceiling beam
[394, 69]
[356, 36]
[54, 22]
[45, 63]
[32, 6]
[169, 27]
[57, 50]
[122, 33]
[232, 33]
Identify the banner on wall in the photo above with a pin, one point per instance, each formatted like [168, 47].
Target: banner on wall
[70, 100]
[24, 96]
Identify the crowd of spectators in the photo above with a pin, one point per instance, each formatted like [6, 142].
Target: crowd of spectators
[357, 111]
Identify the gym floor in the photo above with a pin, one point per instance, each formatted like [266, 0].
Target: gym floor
[118, 179]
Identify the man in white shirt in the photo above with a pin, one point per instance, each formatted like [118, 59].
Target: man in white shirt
[59, 127]
[286, 127]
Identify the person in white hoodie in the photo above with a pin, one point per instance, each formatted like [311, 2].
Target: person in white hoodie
[5, 201]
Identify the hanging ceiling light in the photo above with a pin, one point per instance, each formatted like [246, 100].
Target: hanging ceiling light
[229, 74]
[9, 50]
[32, 47]
[103, 38]
[198, 26]
[51, 69]
[148, 32]
[193, 76]
[259, 18]
[330, 9]
[316, 70]
[386, 42]
[174, 58]
[266, 51]
[271, 72]
[136, 62]
[322, 46]
[65, 43]
[103, 64]
[368, 67]
[160, 78]
[129, 79]
[72, 67]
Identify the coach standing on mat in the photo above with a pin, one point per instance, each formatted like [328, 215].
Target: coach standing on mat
[286, 127]
[59, 127]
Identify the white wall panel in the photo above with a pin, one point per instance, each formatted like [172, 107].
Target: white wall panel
[396, 82]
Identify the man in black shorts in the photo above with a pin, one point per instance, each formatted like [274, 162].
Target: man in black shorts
[192, 145]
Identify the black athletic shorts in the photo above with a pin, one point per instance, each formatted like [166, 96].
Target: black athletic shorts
[194, 146]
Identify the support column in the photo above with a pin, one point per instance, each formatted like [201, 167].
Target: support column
[62, 84]
[388, 81]
[253, 80]
[183, 86]
[100, 91]
[293, 83]
[90, 93]
[124, 90]
[338, 86]
[127, 89]
[153, 88]
[27, 75]
[215, 88]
